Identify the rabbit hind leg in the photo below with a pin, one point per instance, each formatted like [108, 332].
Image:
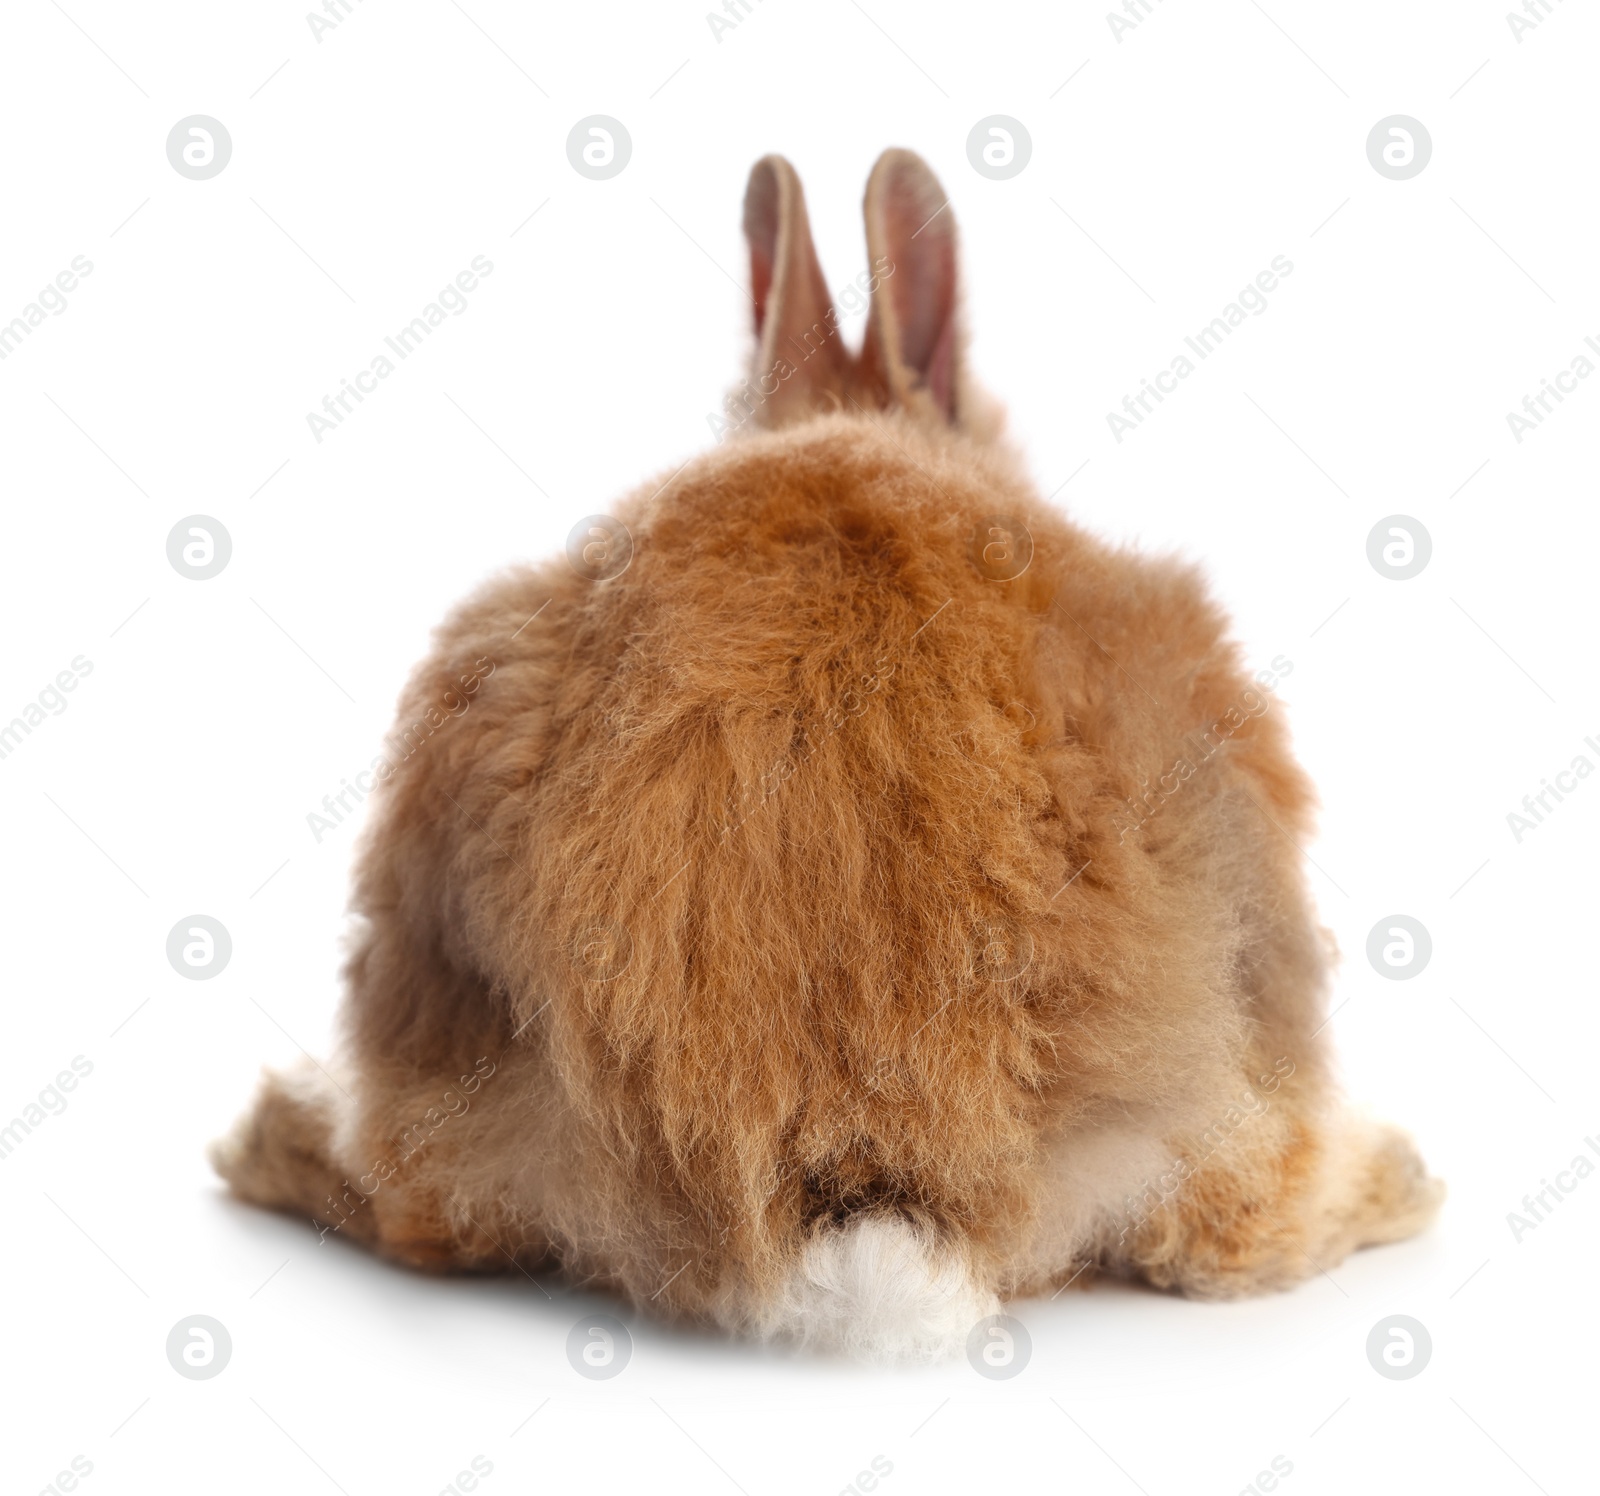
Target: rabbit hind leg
[1287, 1195]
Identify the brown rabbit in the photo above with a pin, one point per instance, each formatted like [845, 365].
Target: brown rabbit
[844, 895]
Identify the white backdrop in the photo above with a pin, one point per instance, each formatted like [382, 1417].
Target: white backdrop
[1172, 159]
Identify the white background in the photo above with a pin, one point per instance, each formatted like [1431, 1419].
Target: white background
[372, 166]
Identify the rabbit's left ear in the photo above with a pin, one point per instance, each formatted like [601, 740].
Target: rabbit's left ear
[913, 347]
[800, 353]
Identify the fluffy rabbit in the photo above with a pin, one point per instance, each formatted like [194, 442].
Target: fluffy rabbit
[843, 895]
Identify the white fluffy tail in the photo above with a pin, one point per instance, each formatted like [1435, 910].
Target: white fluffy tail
[879, 1288]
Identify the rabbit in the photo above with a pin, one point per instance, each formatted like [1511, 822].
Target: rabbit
[840, 897]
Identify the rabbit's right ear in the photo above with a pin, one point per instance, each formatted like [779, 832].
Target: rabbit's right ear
[913, 350]
[801, 363]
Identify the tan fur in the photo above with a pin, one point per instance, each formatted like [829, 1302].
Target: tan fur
[790, 878]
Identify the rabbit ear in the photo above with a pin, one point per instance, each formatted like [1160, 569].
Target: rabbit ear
[800, 356]
[912, 351]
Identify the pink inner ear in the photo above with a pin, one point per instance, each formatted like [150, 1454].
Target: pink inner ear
[760, 284]
[921, 239]
[761, 230]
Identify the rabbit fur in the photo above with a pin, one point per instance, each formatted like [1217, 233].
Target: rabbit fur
[878, 901]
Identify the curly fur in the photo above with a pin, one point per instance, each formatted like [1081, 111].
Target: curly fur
[782, 897]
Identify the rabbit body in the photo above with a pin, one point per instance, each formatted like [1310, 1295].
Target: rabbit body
[878, 900]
